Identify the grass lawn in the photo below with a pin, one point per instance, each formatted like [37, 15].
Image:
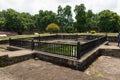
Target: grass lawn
[46, 34]
[24, 36]
[59, 49]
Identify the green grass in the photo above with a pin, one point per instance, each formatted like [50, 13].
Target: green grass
[63, 49]
[24, 36]
[96, 34]
[47, 34]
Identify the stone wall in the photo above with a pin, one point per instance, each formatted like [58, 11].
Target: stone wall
[111, 52]
[58, 59]
[73, 63]
[67, 62]
[6, 60]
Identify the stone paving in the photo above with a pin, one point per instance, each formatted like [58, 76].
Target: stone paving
[110, 46]
[16, 53]
[41, 70]
[106, 67]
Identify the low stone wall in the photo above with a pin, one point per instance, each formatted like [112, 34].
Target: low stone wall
[73, 63]
[6, 60]
[76, 64]
[112, 39]
[89, 60]
[67, 62]
[111, 52]
[57, 59]
[13, 48]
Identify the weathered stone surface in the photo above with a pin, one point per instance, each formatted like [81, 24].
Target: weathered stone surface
[41, 70]
[106, 67]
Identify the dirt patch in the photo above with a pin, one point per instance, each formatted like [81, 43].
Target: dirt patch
[106, 67]
[41, 70]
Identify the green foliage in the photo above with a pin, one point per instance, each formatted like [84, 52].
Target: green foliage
[2, 21]
[69, 29]
[15, 21]
[64, 49]
[44, 18]
[105, 21]
[92, 31]
[64, 17]
[91, 21]
[109, 21]
[27, 21]
[80, 17]
[52, 27]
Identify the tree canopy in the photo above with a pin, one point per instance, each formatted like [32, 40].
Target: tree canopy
[85, 20]
[109, 21]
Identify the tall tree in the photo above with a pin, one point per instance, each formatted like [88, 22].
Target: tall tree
[109, 21]
[27, 21]
[80, 17]
[44, 18]
[61, 18]
[64, 17]
[13, 23]
[2, 21]
[68, 17]
[91, 20]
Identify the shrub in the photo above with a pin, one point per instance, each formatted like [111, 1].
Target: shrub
[69, 29]
[92, 31]
[52, 27]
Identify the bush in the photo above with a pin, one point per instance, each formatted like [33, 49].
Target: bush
[92, 31]
[69, 29]
[52, 27]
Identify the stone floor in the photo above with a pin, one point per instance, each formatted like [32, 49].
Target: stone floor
[41, 70]
[3, 47]
[106, 67]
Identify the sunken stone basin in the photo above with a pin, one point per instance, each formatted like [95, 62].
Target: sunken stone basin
[41, 70]
[106, 67]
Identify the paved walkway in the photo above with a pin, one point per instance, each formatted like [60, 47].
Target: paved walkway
[110, 46]
[16, 53]
[106, 67]
[41, 70]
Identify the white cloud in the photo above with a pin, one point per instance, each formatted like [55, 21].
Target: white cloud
[99, 5]
[33, 6]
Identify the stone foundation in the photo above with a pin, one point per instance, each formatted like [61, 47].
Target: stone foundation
[73, 63]
[6, 60]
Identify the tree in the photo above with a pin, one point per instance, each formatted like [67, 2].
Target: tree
[61, 18]
[64, 17]
[80, 17]
[2, 21]
[17, 22]
[52, 27]
[108, 21]
[91, 21]
[13, 22]
[68, 16]
[69, 29]
[27, 21]
[44, 18]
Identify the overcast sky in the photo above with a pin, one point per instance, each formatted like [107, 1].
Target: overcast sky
[33, 6]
